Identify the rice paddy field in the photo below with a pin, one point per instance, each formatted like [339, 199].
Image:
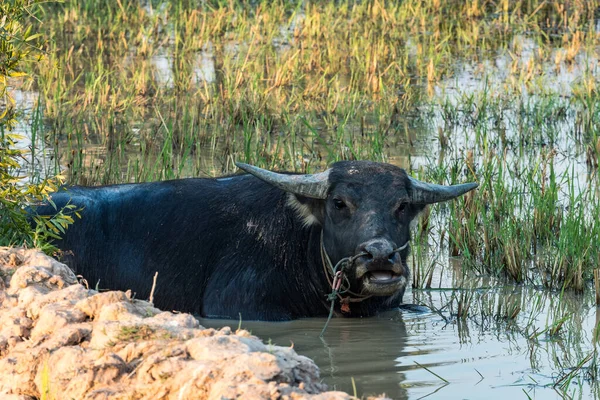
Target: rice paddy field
[505, 93]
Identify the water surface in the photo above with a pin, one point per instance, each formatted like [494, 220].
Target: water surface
[485, 355]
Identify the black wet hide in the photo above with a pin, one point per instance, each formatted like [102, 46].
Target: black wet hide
[234, 247]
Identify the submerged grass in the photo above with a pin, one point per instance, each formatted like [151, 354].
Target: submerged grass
[503, 93]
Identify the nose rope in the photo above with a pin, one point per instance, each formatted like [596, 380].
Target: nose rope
[339, 283]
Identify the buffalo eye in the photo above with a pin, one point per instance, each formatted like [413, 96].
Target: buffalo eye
[339, 204]
[402, 207]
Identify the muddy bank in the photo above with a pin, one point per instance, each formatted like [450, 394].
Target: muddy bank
[61, 340]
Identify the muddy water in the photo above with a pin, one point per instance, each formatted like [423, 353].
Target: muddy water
[410, 353]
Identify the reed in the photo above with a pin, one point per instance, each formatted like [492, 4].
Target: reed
[504, 93]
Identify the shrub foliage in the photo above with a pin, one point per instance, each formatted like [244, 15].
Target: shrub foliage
[20, 46]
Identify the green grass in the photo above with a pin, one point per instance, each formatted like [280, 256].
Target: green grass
[503, 93]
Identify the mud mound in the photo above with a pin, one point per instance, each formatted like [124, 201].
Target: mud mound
[61, 340]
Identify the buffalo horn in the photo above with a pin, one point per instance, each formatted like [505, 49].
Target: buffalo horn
[315, 185]
[427, 193]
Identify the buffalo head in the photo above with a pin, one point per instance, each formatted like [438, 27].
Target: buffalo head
[363, 208]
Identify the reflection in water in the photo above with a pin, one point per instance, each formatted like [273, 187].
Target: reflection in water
[509, 341]
[365, 349]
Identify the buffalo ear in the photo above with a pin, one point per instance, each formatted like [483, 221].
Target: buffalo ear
[308, 209]
[418, 211]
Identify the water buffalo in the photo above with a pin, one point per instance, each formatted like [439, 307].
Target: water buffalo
[261, 245]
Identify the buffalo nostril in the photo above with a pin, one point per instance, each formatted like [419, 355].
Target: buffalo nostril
[379, 250]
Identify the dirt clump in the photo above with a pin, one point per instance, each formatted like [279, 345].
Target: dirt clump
[61, 340]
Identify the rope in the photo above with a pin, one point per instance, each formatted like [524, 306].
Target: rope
[336, 285]
[335, 275]
[330, 271]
